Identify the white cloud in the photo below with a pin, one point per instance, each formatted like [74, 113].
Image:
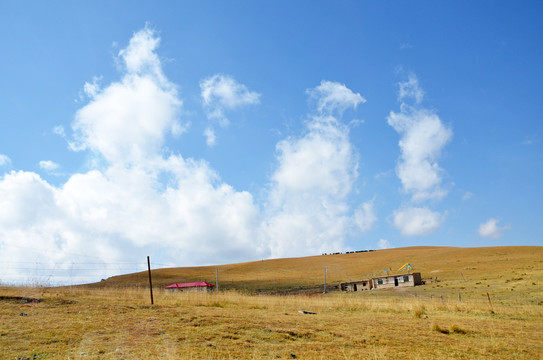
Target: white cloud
[413, 221]
[383, 244]
[49, 165]
[411, 89]
[127, 121]
[423, 137]
[331, 96]
[223, 92]
[307, 210]
[468, 195]
[139, 57]
[491, 229]
[322, 159]
[59, 130]
[364, 216]
[211, 138]
[92, 88]
[4, 160]
[140, 202]
[137, 202]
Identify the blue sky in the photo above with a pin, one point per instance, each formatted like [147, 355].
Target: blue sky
[212, 132]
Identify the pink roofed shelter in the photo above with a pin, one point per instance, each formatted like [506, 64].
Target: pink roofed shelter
[199, 286]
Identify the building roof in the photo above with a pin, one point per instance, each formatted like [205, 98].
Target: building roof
[188, 285]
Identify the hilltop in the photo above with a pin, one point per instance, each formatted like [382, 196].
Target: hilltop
[495, 269]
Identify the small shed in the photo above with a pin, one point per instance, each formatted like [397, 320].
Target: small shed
[199, 286]
[357, 285]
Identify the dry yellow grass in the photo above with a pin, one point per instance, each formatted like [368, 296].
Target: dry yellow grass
[120, 324]
[111, 321]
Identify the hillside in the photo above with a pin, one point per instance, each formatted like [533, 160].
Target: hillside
[451, 317]
[494, 269]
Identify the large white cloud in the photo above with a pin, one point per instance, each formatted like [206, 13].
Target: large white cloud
[491, 229]
[307, 210]
[127, 121]
[423, 137]
[135, 201]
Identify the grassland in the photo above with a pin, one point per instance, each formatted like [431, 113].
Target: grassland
[111, 320]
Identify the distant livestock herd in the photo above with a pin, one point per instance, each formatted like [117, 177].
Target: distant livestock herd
[348, 252]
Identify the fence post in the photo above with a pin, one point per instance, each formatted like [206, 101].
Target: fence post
[217, 280]
[150, 281]
[325, 280]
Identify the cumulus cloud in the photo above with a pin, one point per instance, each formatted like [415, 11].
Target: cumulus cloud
[423, 137]
[137, 202]
[49, 165]
[491, 229]
[127, 121]
[332, 96]
[140, 58]
[417, 221]
[4, 160]
[307, 210]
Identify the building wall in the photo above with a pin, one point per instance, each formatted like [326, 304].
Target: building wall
[384, 282]
[357, 286]
[392, 281]
[417, 278]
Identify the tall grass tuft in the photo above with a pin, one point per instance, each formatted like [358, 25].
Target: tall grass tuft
[455, 329]
[436, 327]
[419, 311]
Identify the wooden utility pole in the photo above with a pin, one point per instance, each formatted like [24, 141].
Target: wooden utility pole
[150, 281]
[325, 280]
[217, 280]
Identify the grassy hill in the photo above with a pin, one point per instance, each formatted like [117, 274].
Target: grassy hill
[446, 270]
[113, 319]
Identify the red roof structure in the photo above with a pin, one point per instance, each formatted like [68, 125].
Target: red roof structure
[188, 285]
